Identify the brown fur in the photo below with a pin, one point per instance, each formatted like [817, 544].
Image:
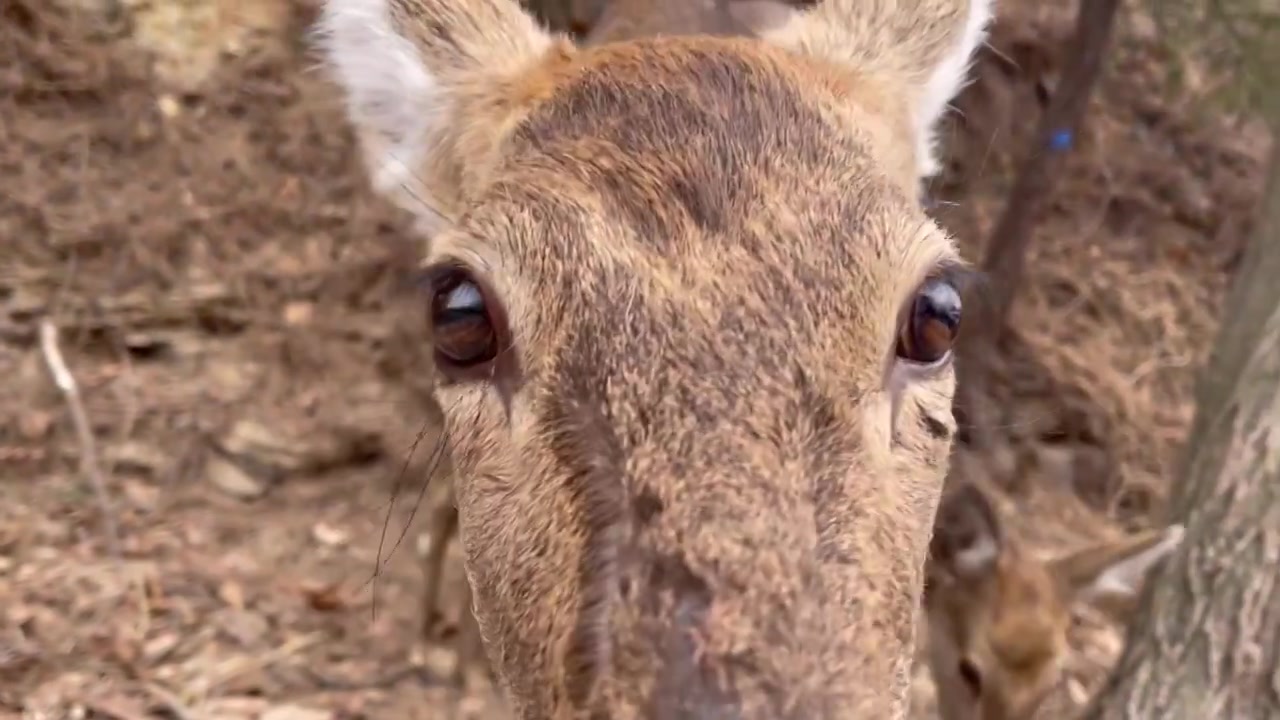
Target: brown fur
[1006, 612]
[697, 484]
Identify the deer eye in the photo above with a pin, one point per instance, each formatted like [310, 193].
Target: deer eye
[929, 331]
[461, 320]
[971, 676]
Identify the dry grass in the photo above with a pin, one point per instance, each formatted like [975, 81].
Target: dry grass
[192, 218]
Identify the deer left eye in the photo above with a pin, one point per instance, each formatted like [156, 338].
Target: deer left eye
[932, 325]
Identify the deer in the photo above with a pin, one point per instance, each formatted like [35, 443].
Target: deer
[692, 336]
[998, 614]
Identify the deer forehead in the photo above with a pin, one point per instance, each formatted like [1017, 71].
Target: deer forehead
[683, 177]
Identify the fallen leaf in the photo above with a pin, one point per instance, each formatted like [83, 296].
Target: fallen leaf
[125, 649]
[19, 455]
[169, 106]
[329, 535]
[325, 598]
[273, 453]
[245, 627]
[472, 708]
[256, 444]
[229, 379]
[232, 594]
[137, 457]
[159, 647]
[16, 655]
[235, 708]
[146, 345]
[299, 313]
[118, 707]
[141, 495]
[440, 661]
[232, 479]
[1075, 689]
[296, 712]
[35, 425]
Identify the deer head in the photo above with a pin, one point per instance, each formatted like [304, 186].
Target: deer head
[693, 336]
[998, 615]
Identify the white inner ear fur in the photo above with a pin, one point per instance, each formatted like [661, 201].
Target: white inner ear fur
[391, 97]
[978, 556]
[1124, 578]
[951, 75]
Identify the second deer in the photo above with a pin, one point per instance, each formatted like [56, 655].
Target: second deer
[998, 615]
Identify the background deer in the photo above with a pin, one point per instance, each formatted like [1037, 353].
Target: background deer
[443, 528]
[693, 334]
[998, 615]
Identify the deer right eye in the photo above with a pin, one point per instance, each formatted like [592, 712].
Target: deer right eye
[462, 320]
[971, 676]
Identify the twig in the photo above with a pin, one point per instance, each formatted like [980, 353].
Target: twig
[171, 702]
[89, 466]
[382, 682]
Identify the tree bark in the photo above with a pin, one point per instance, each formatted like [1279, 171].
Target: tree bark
[1206, 643]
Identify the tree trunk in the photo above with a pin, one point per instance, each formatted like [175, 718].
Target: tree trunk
[1006, 252]
[1007, 249]
[1207, 641]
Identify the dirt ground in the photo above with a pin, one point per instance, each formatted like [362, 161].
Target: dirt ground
[180, 198]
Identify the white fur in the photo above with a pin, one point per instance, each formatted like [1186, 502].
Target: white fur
[392, 97]
[945, 83]
[1125, 577]
[977, 557]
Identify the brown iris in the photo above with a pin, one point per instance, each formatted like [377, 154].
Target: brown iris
[932, 323]
[462, 327]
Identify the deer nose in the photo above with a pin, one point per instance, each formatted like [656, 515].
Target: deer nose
[685, 691]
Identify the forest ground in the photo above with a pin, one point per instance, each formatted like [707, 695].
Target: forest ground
[180, 195]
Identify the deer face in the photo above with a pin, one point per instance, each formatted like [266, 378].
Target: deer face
[693, 337]
[998, 615]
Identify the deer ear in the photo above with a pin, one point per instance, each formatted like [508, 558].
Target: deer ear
[1115, 569]
[922, 48]
[407, 66]
[967, 536]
